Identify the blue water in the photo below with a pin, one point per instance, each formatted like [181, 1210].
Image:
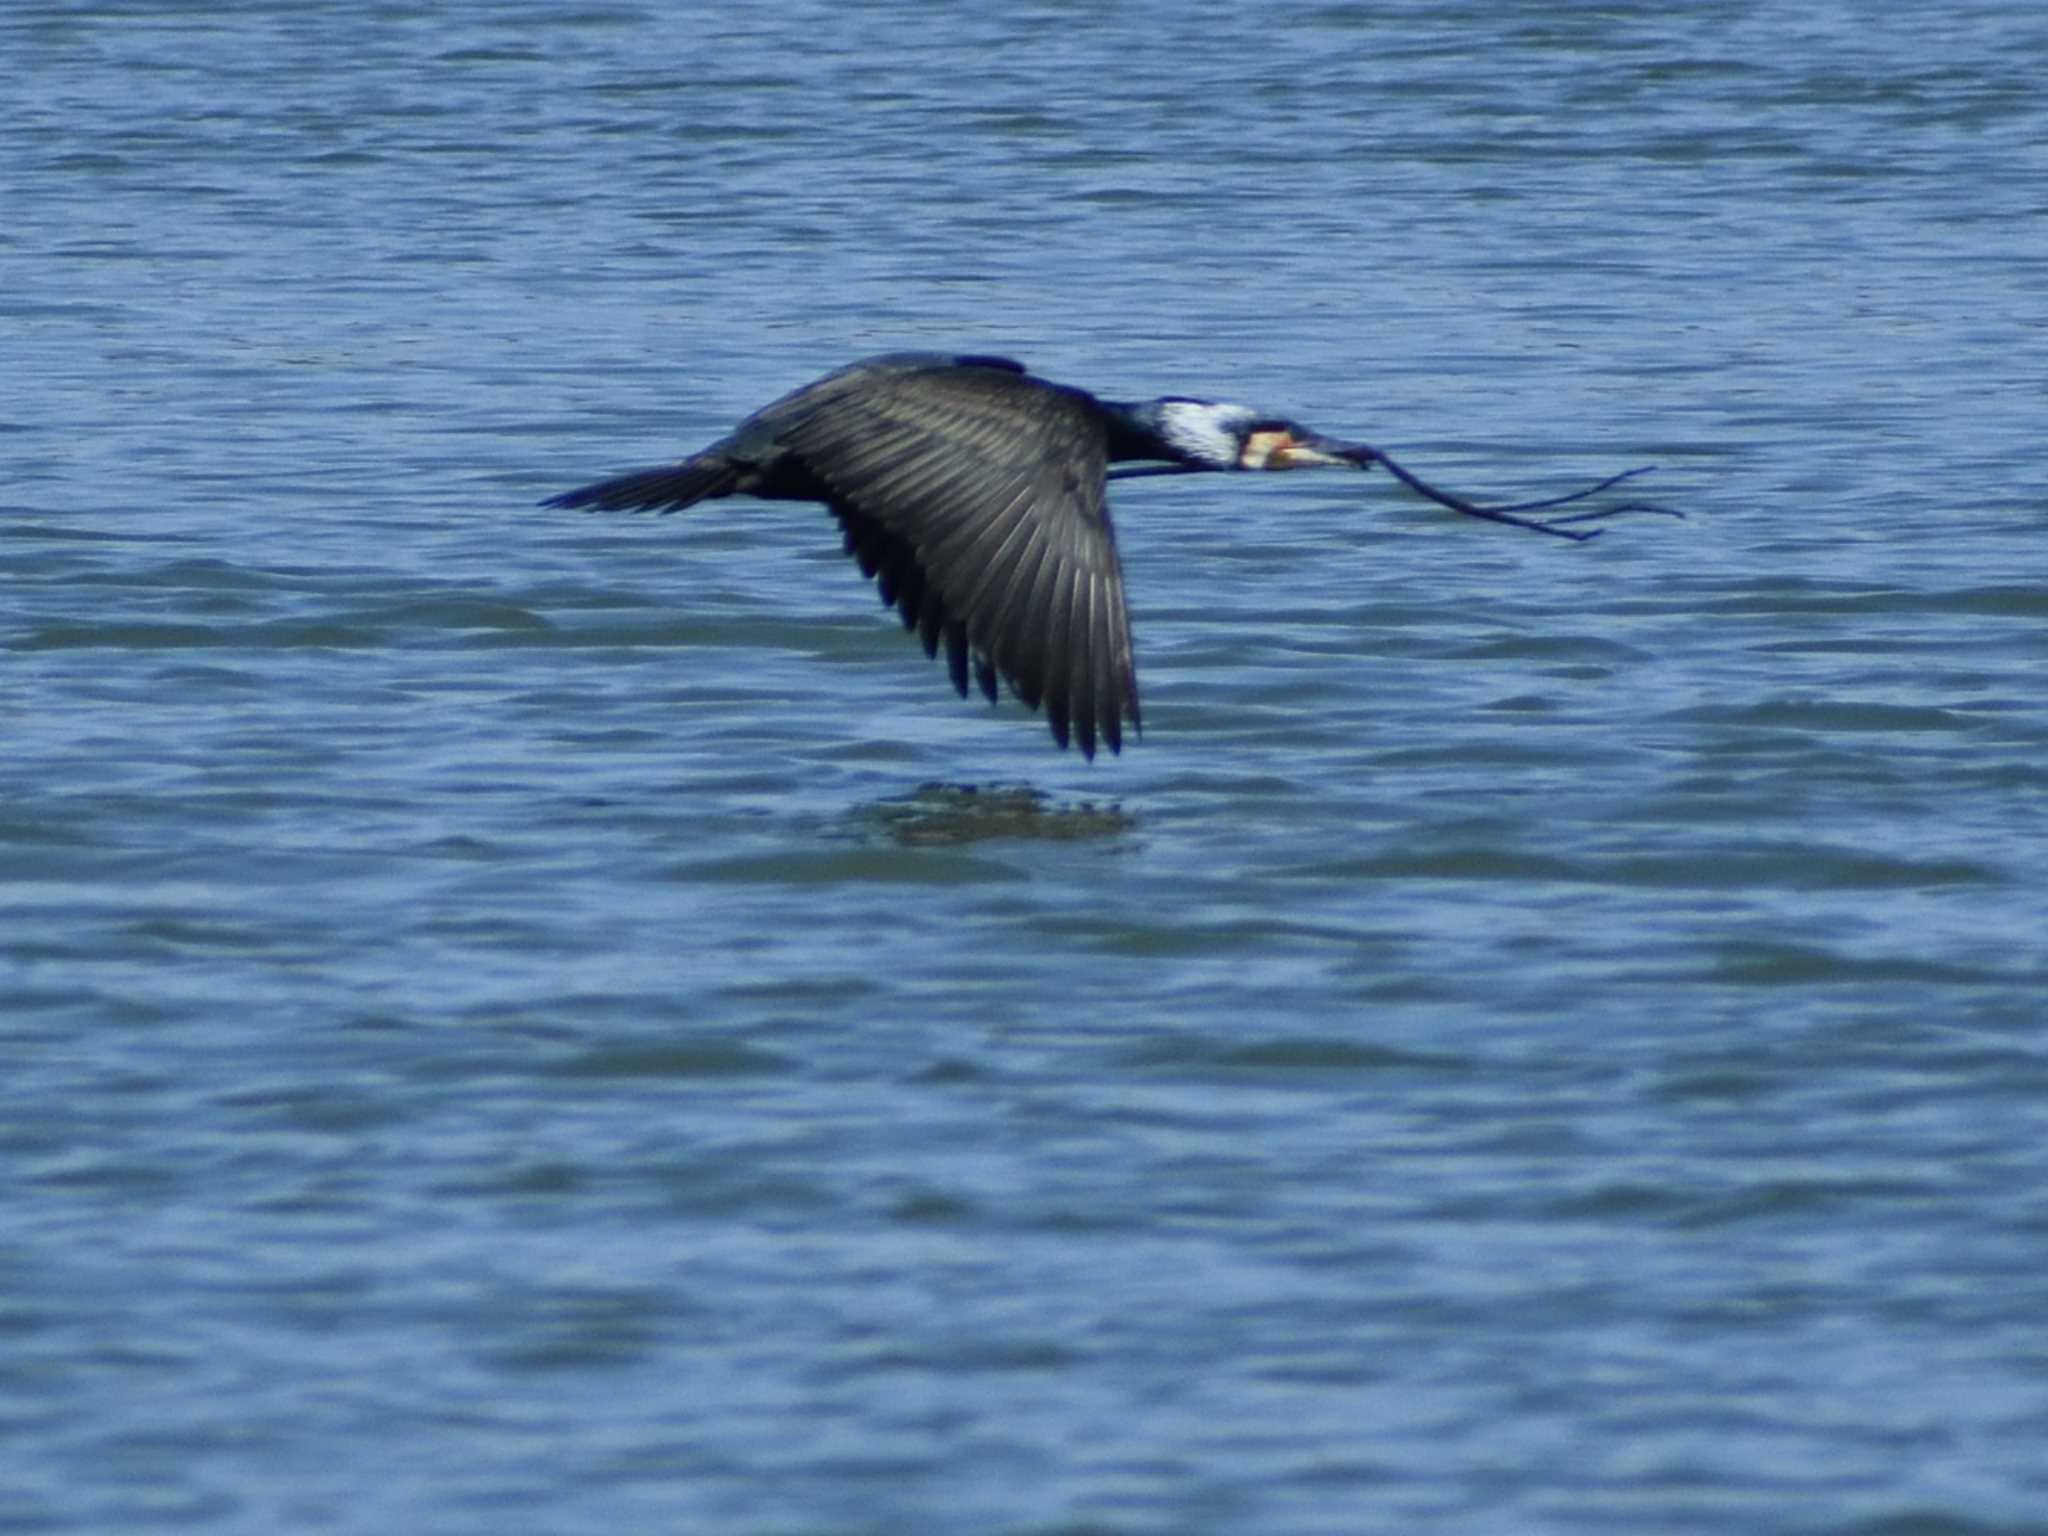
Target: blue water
[521, 1020]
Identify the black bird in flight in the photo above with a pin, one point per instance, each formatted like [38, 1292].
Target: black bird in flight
[975, 494]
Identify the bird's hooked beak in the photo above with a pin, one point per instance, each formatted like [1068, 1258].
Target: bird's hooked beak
[1296, 448]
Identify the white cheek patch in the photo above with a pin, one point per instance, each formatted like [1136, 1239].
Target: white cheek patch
[1202, 431]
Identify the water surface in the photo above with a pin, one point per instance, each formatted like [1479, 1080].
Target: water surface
[521, 1020]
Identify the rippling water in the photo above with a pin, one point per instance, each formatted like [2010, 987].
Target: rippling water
[519, 1020]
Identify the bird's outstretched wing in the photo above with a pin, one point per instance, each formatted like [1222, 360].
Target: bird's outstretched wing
[974, 495]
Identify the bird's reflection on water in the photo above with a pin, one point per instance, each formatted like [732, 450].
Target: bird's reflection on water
[952, 815]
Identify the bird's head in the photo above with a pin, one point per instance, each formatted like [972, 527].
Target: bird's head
[1209, 435]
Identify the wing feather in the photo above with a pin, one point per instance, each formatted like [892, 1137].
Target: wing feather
[973, 494]
[978, 494]
[1059, 646]
[1082, 662]
[956, 655]
[1018, 623]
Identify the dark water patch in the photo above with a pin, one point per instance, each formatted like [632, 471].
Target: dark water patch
[1451, 861]
[932, 1208]
[951, 1070]
[1758, 963]
[130, 635]
[32, 834]
[1793, 866]
[733, 1182]
[1142, 937]
[1312, 1059]
[1592, 656]
[1825, 716]
[123, 636]
[1921, 1518]
[690, 1058]
[202, 678]
[33, 531]
[1513, 760]
[546, 1179]
[462, 847]
[796, 993]
[718, 636]
[960, 1354]
[111, 1175]
[480, 620]
[327, 1109]
[200, 573]
[898, 865]
[1621, 1200]
[1809, 596]
[1802, 1200]
[181, 932]
[578, 1327]
[1727, 1084]
[1745, 864]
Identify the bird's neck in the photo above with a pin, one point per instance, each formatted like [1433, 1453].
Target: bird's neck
[1137, 430]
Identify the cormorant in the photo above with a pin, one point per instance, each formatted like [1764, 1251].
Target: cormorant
[974, 493]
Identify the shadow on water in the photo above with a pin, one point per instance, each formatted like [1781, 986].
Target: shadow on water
[952, 815]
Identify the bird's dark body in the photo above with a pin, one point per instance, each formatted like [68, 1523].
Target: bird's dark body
[975, 495]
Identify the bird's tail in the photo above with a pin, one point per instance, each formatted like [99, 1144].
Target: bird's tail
[666, 488]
